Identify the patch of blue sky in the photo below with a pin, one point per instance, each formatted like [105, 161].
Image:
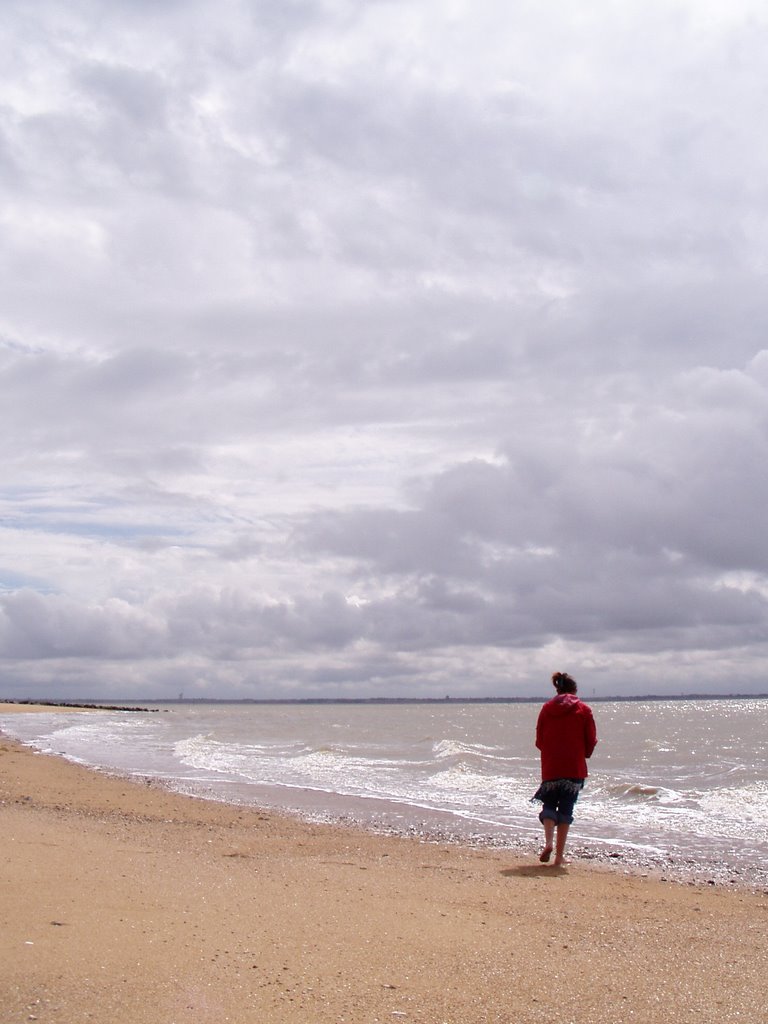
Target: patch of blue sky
[118, 531]
[110, 531]
[11, 581]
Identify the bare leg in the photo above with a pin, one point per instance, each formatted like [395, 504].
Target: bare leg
[549, 835]
[562, 835]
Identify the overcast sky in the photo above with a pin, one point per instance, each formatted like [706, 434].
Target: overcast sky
[368, 347]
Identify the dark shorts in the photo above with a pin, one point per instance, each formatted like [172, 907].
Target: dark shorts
[559, 797]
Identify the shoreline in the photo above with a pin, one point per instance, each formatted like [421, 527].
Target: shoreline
[132, 903]
[379, 817]
[440, 827]
[17, 706]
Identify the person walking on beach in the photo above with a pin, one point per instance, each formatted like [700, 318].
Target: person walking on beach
[566, 736]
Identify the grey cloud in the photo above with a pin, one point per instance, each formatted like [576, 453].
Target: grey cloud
[633, 537]
[46, 626]
[138, 95]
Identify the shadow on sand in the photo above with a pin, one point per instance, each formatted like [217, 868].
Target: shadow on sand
[535, 871]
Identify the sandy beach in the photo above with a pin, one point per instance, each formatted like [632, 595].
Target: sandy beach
[122, 902]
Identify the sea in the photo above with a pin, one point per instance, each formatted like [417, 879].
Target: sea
[675, 786]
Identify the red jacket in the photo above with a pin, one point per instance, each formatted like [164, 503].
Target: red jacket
[566, 737]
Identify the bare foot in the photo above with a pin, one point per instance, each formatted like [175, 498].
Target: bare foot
[545, 854]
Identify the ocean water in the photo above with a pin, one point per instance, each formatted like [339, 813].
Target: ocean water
[672, 782]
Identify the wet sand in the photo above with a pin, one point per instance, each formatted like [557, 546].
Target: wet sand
[122, 902]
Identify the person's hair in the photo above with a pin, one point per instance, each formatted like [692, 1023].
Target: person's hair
[563, 683]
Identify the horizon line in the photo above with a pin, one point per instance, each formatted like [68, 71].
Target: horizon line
[128, 703]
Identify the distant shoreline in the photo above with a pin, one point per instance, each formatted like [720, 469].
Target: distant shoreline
[59, 705]
[93, 704]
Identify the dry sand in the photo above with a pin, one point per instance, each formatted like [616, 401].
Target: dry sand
[121, 902]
